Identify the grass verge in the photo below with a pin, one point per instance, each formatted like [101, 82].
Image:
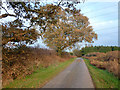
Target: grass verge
[40, 76]
[102, 78]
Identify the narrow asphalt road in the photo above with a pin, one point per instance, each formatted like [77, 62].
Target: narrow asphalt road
[74, 76]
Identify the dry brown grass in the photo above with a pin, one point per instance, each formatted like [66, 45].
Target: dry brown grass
[112, 66]
[109, 61]
[18, 63]
[98, 64]
[94, 56]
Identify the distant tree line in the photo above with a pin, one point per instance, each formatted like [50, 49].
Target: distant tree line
[89, 49]
[104, 49]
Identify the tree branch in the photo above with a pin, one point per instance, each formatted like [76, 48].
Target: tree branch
[26, 9]
[5, 15]
[59, 3]
[4, 8]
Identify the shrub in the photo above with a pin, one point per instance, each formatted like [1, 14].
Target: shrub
[17, 63]
[112, 66]
[98, 64]
[109, 61]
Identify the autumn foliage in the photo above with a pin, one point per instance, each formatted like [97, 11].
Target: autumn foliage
[71, 27]
[13, 36]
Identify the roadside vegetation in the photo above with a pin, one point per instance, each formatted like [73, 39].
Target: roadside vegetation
[104, 68]
[102, 78]
[24, 61]
[108, 61]
[40, 76]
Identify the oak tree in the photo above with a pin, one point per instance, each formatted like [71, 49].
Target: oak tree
[71, 28]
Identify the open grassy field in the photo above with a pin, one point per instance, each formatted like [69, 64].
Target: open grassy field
[40, 77]
[102, 78]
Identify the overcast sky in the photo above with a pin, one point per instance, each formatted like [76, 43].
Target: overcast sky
[103, 16]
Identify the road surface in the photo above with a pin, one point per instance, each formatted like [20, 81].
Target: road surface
[74, 76]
